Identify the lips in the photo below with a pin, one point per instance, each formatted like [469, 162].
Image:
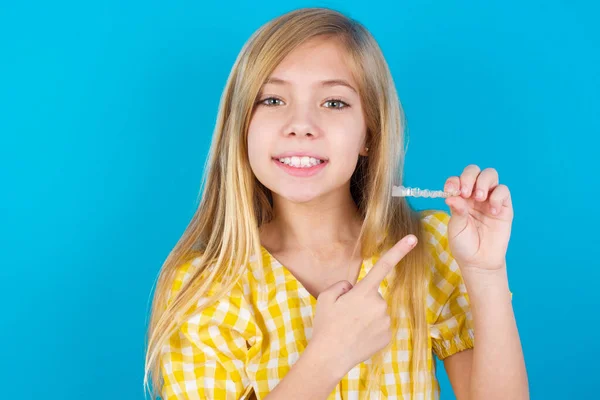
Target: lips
[301, 172]
[300, 154]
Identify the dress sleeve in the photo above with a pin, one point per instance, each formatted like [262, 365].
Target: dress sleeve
[206, 357]
[448, 308]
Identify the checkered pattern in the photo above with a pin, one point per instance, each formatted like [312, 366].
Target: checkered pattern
[248, 341]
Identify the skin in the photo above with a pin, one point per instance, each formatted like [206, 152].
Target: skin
[478, 235]
[315, 220]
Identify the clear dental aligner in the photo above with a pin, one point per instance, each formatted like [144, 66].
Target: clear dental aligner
[401, 191]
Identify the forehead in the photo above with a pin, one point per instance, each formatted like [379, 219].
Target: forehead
[315, 60]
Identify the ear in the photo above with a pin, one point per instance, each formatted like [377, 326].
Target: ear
[364, 150]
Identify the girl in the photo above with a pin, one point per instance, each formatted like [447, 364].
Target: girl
[300, 276]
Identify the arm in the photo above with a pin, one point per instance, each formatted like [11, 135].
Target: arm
[479, 233]
[350, 325]
[311, 377]
[495, 368]
[206, 357]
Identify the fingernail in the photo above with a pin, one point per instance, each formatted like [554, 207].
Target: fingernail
[465, 191]
[411, 240]
[479, 194]
[494, 211]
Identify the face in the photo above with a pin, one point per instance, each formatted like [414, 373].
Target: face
[309, 116]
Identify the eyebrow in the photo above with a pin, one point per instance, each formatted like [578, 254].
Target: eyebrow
[325, 83]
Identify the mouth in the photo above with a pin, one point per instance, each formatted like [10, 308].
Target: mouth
[301, 166]
[300, 161]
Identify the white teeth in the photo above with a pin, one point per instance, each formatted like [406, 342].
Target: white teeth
[300, 162]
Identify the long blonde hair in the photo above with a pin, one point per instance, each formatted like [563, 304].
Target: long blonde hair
[224, 230]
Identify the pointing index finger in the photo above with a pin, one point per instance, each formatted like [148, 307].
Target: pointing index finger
[386, 263]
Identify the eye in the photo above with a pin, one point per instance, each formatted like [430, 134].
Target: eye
[336, 104]
[270, 101]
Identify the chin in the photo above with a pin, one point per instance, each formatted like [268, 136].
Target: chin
[300, 198]
[298, 194]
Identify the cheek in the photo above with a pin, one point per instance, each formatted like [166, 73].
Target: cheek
[349, 140]
[254, 138]
[254, 151]
[262, 132]
[349, 135]
[259, 146]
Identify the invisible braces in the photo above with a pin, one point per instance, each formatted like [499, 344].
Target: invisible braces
[401, 191]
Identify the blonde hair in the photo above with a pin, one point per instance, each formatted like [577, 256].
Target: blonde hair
[234, 203]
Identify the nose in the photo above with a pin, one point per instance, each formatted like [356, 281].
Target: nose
[303, 121]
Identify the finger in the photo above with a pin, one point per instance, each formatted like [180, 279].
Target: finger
[467, 180]
[500, 200]
[486, 181]
[333, 292]
[457, 204]
[452, 183]
[459, 207]
[386, 263]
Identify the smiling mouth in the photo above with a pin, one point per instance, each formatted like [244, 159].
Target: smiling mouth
[302, 171]
[300, 162]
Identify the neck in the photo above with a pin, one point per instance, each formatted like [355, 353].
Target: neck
[332, 221]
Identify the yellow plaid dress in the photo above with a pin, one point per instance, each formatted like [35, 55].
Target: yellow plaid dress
[248, 341]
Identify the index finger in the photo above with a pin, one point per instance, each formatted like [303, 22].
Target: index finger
[386, 263]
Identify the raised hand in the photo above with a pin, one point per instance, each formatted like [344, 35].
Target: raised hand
[353, 323]
[481, 219]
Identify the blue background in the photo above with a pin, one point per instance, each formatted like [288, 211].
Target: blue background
[106, 113]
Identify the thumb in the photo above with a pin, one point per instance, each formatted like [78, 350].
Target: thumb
[459, 212]
[333, 292]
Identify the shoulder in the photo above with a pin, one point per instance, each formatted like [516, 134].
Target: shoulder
[447, 295]
[435, 231]
[445, 270]
[182, 274]
[196, 271]
[435, 223]
[184, 271]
